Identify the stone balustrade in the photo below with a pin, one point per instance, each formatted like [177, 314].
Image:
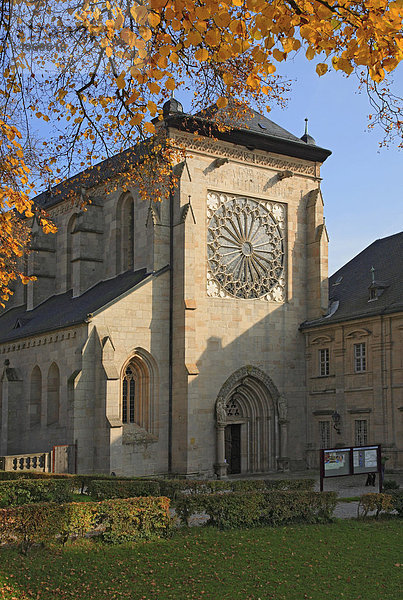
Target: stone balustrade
[38, 462]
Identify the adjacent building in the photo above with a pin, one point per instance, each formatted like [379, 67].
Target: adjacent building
[354, 356]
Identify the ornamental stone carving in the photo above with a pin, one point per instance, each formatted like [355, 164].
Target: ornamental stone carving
[221, 413]
[245, 248]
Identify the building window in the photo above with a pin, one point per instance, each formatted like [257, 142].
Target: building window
[35, 400]
[53, 396]
[361, 432]
[360, 363]
[324, 362]
[138, 403]
[128, 396]
[125, 234]
[324, 434]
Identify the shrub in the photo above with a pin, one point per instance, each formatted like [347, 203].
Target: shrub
[79, 519]
[27, 491]
[102, 490]
[374, 502]
[397, 501]
[290, 484]
[118, 520]
[30, 524]
[172, 488]
[12, 475]
[133, 519]
[390, 484]
[245, 509]
[282, 507]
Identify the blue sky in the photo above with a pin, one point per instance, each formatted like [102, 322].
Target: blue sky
[362, 184]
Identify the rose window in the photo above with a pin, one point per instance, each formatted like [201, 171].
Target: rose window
[245, 248]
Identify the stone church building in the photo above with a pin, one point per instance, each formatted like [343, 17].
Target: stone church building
[166, 339]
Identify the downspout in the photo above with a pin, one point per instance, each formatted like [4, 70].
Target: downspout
[170, 350]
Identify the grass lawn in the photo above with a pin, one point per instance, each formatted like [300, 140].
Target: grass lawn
[347, 560]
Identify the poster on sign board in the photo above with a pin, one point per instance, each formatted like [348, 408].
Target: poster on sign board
[337, 462]
[365, 459]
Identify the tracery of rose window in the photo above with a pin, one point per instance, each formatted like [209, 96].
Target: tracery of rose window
[245, 248]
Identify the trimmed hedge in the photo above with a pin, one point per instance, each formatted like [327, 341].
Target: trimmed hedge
[237, 509]
[13, 475]
[121, 488]
[116, 520]
[167, 487]
[375, 502]
[27, 491]
[173, 488]
[133, 519]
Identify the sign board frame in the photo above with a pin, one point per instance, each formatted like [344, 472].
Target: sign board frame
[350, 460]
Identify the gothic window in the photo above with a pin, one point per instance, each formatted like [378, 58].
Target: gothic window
[360, 432]
[128, 396]
[324, 434]
[245, 248]
[53, 394]
[35, 399]
[125, 234]
[69, 252]
[360, 362]
[324, 362]
[138, 393]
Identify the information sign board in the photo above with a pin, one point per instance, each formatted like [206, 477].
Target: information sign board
[354, 460]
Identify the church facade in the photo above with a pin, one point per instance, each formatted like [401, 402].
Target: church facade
[166, 339]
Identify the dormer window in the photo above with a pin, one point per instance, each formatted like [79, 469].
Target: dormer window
[376, 288]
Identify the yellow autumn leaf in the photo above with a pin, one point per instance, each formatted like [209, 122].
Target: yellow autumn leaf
[321, 69]
[170, 84]
[222, 102]
[310, 53]
[120, 81]
[154, 19]
[149, 127]
[201, 54]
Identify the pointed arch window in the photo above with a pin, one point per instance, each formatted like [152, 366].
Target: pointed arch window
[53, 394]
[69, 251]
[125, 234]
[35, 400]
[138, 402]
[129, 396]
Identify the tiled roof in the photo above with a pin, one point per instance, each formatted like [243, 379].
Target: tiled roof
[349, 286]
[62, 310]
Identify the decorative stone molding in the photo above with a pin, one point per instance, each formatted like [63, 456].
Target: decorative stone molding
[192, 369]
[323, 339]
[239, 375]
[213, 147]
[358, 333]
[245, 248]
[37, 341]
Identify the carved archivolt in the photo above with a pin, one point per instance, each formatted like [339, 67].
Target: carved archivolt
[213, 147]
[226, 404]
[245, 248]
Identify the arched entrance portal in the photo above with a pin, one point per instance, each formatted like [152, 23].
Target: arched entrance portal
[251, 424]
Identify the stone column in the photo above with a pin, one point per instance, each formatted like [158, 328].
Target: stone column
[283, 461]
[221, 422]
[221, 465]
